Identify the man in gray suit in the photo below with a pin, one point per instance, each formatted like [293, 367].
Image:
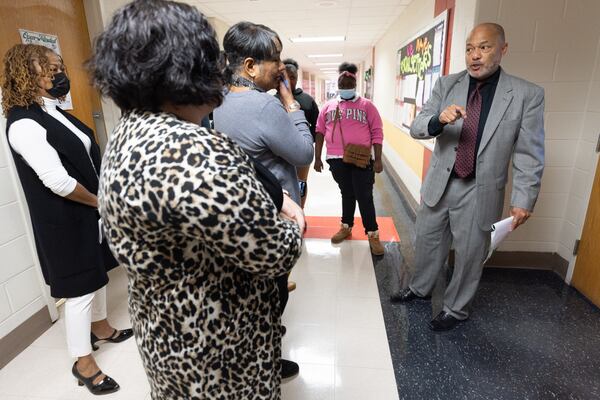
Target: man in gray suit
[481, 118]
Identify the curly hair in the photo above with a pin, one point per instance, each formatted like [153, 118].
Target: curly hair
[155, 52]
[19, 77]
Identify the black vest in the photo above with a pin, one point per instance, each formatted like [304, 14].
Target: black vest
[66, 232]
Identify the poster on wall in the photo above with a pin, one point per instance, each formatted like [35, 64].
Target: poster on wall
[419, 63]
[369, 84]
[51, 42]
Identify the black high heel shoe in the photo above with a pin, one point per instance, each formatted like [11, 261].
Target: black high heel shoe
[105, 386]
[116, 337]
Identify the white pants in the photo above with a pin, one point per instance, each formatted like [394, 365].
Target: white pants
[80, 312]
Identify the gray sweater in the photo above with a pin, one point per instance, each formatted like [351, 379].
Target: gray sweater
[279, 140]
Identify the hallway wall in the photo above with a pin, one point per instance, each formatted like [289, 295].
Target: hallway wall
[556, 45]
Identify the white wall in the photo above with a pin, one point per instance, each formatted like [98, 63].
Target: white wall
[22, 289]
[555, 43]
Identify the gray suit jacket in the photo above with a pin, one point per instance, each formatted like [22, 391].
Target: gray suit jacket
[514, 128]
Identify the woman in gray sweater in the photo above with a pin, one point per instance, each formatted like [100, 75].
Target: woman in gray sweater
[273, 131]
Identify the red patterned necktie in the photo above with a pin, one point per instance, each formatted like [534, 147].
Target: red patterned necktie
[465, 155]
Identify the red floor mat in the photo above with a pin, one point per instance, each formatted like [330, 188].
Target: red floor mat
[326, 227]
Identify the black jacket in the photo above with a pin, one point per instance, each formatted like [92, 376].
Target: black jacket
[66, 232]
[310, 108]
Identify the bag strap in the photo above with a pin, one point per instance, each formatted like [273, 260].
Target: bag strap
[338, 116]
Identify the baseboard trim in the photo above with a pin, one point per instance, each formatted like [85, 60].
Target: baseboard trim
[530, 260]
[19, 339]
[408, 201]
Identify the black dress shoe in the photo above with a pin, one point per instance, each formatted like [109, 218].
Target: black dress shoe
[443, 322]
[105, 386]
[289, 369]
[406, 295]
[116, 337]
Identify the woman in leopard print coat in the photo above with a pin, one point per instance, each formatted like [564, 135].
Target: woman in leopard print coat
[198, 234]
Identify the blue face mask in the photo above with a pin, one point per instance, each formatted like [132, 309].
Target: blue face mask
[347, 94]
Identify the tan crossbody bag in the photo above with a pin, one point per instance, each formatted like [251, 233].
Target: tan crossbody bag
[354, 154]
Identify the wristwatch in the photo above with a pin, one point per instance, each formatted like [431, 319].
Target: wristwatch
[294, 106]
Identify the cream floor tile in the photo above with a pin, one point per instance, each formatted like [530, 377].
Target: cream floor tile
[324, 198]
[315, 382]
[310, 310]
[310, 344]
[362, 347]
[364, 384]
[358, 312]
[309, 284]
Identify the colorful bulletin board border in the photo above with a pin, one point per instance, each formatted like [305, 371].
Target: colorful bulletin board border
[419, 63]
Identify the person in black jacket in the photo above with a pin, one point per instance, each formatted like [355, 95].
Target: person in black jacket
[311, 112]
[58, 161]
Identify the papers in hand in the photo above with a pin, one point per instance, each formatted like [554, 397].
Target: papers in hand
[499, 231]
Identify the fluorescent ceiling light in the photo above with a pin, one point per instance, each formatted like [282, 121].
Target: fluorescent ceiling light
[324, 55]
[301, 39]
[328, 63]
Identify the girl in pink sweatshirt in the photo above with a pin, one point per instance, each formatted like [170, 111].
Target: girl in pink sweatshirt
[359, 123]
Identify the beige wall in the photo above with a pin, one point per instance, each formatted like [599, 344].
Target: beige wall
[220, 28]
[556, 45]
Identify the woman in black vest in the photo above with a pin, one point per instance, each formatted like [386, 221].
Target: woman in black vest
[58, 162]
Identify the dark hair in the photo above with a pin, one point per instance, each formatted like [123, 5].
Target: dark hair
[158, 51]
[349, 67]
[291, 66]
[291, 61]
[246, 39]
[346, 79]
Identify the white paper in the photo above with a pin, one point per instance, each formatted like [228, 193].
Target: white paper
[437, 47]
[500, 230]
[427, 89]
[420, 89]
[409, 86]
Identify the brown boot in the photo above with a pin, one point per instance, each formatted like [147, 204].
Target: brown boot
[341, 235]
[375, 244]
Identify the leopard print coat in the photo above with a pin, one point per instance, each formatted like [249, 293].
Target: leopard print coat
[201, 242]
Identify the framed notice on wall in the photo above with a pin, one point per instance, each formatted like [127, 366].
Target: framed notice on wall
[51, 42]
[419, 63]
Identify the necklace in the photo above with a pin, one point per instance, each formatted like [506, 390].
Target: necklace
[240, 81]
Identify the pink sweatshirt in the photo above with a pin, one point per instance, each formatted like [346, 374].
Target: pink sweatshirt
[361, 124]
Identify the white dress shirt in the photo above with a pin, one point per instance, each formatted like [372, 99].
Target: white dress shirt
[28, 139]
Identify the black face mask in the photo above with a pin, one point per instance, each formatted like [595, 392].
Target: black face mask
[60, 86]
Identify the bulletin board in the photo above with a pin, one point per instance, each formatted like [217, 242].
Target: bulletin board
[419, 63]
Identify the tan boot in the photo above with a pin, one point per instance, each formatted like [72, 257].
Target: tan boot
[291, 286]
[375, 244]
[341, 235]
